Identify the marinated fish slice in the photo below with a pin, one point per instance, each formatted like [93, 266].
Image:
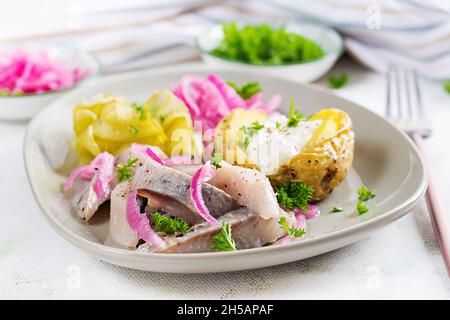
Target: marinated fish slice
[249, 187]
[119, 228]
[175, 184]
[169, 205]
[87, 202]
[249, 230]
[189, 169]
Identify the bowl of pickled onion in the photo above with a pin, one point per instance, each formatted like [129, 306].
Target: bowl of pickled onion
[34, 74]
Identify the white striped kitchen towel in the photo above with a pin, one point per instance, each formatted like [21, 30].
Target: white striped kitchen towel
[413, 34]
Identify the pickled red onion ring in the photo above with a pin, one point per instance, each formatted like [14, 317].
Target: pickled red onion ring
[140, 224]
[204, 174]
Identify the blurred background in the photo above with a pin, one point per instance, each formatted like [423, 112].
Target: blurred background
[128, 35]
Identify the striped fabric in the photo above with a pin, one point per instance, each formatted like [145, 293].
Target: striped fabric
[137, 34]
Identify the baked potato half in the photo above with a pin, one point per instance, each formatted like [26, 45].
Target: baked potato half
[327, 157]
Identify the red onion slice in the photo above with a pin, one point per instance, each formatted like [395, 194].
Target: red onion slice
[204, 174]
[140, 224]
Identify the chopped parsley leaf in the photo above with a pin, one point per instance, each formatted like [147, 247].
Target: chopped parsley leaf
[338, 81]
[139, 107]
[124, 171]
[134, 129]
[292, 231]
[223, 240]
[216, 160]
[447, 86]
[361, 208]
[365, 194]
[337, 209]
[294, 116]
[247, 90]
[253, 128]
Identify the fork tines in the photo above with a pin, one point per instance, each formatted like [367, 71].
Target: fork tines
[404, 102]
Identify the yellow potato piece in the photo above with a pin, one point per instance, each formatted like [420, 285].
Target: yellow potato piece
[325, 160]
[229, 137]
[176, 122]
[86, 141]
[83, 118]
[109, 123]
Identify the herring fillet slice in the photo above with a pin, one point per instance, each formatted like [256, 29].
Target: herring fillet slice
[249, 230]
[168, 205]
[169, 182]
[119, 228]
[249, 187]
[86, 202]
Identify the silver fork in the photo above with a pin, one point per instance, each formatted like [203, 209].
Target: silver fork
[404, 107]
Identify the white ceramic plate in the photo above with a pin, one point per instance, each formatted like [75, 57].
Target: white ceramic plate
[386, 160]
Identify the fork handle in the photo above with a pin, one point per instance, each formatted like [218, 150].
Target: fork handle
[439, 218]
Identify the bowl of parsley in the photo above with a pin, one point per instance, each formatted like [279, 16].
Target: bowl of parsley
[297, 51]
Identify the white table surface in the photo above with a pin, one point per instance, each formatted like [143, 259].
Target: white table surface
[400, 261]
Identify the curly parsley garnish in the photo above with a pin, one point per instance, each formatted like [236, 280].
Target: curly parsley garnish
[124, 171]
[265, 44]
[223, 240]
[292, 231]
[294, 194]
[294, 116]
[247, 90]
[169, 225]
[338, 81]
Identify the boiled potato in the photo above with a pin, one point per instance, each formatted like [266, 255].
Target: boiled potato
[176, 122]
[325, 160]
[229, 136]
[110, 123]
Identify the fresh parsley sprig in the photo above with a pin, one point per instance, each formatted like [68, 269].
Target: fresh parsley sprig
[124, 171]
[294, 194]
[247, 90]
[223, 240]
[169, 225]
[292, 231]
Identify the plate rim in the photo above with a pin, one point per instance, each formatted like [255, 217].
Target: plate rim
[86, 244]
